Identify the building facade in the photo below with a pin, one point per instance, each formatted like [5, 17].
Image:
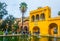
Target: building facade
[42, 23]
[25, 25]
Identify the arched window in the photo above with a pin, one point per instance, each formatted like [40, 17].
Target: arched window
[37, 17]
[42, 16]
[26, 28]
[33, 18]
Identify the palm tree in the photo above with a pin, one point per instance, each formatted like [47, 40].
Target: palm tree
[23, 8]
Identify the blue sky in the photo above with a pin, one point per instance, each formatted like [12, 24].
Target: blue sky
[13, 6]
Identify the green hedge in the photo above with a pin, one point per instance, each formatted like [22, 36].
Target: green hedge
[1, 33]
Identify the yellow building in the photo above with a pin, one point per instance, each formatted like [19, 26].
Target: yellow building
[41, 22]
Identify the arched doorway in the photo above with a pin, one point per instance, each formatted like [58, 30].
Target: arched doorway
[36, 30]
[26, 29]
[53, 29]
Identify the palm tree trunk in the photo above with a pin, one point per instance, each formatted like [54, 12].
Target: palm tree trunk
[22, 21]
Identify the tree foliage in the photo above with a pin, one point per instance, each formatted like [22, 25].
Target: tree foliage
[3, 10]
[23, 7]
[16, 26]
[9, 20]
[59, 13]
